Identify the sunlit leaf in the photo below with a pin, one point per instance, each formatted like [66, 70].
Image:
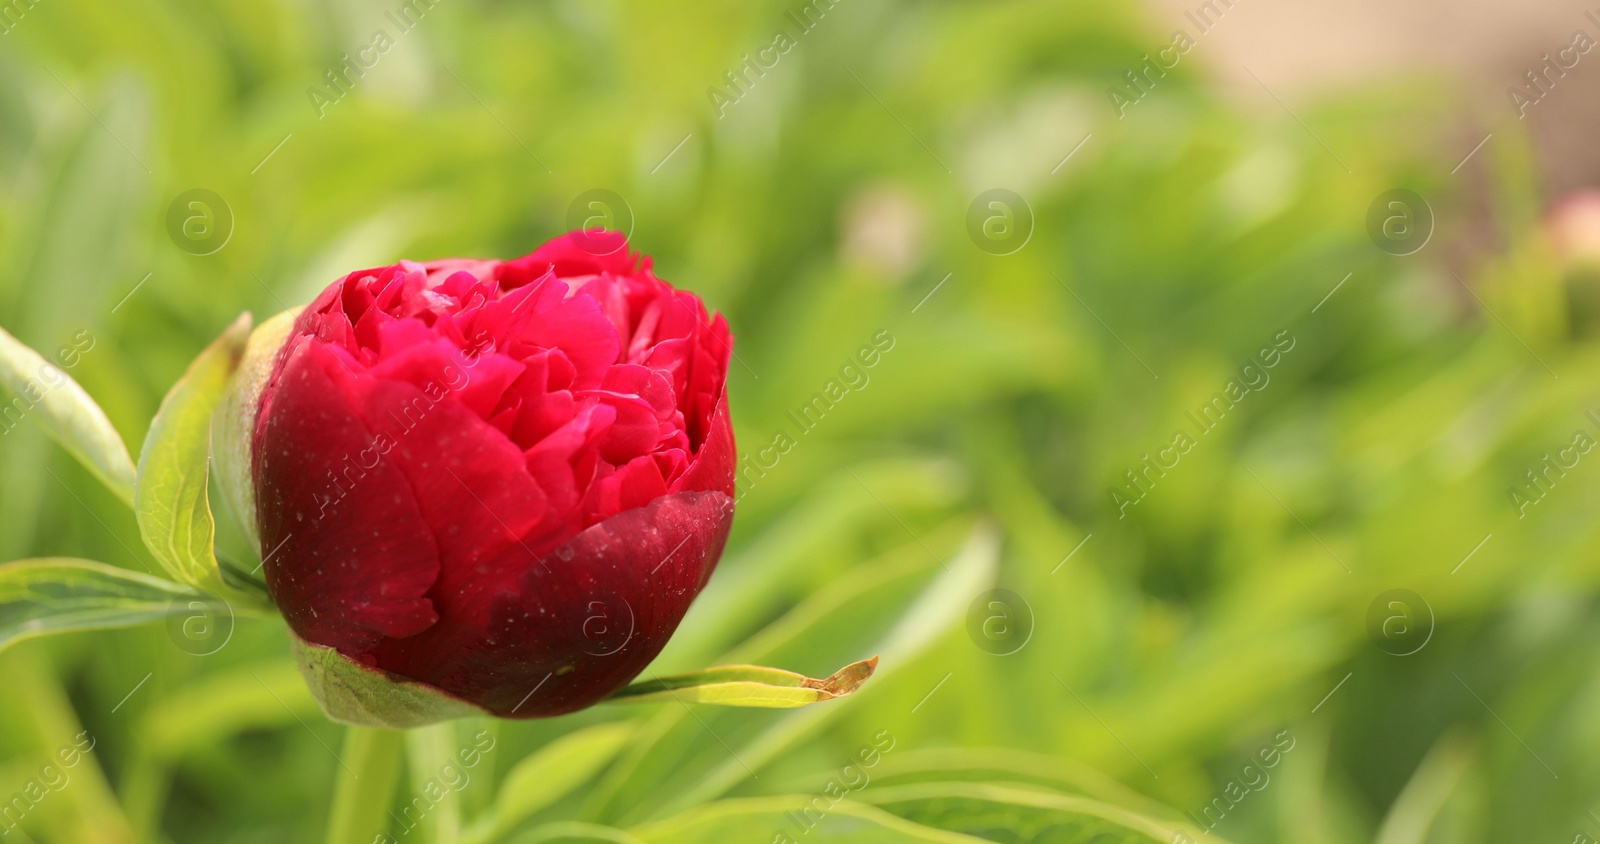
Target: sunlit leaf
[170, 500]
[43, 391]
[749, 685]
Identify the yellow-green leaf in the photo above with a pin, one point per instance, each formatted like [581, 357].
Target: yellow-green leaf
[43, 391]
[170, 498]
[749, 685]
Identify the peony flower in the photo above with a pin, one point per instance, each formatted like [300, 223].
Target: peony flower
[500, 481]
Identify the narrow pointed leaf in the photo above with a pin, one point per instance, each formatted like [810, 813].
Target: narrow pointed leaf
[1010, 766]
[780, 819]
[749, 685]
[170, 499]
[43, 391]
[62, 595]
[996, 812]
[556, 770]
[574, 832]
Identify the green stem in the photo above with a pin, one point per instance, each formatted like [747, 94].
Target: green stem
[430, 749]
[478, 796]
[361, 802]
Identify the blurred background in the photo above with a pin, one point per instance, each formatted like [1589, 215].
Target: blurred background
[1227, 469]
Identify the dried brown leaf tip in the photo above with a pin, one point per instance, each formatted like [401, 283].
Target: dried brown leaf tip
[844, 681]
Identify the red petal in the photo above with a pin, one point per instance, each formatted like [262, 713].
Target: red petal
[473, 492]
[575, 630]
[576, 253]
[348, 557]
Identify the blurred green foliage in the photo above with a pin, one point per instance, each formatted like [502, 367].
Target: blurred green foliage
[824, 208]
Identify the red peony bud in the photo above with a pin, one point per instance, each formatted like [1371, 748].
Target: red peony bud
[505, 481]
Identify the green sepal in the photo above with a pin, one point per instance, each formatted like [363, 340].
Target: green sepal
[234, 421]
[355, 694]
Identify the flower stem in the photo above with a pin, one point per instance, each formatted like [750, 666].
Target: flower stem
[361, 796]
[430, 750]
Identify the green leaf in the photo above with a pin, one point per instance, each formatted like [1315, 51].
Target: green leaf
[1010, 766]
[1421, 806]
[217, 706]
[749, 685]
[555, 771]
[351, 693]
[170, 498]
[1012, 815]
[41, 389]
[59, 595]
[809, 544]
[573, 832]
[935, 609]
[780, 819]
